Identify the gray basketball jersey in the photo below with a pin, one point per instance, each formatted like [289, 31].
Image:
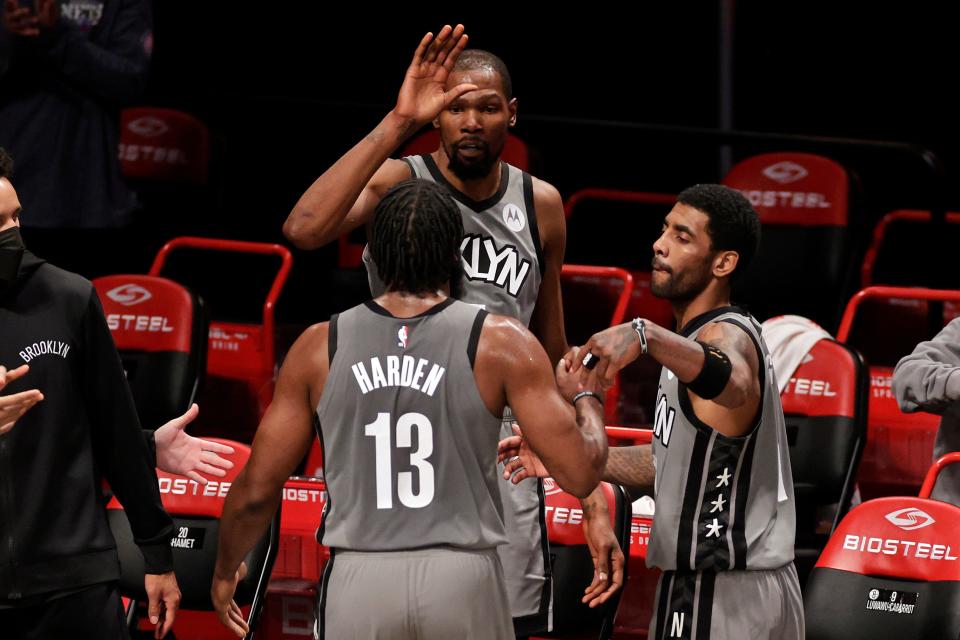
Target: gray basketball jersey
[722, 503]
[410, 445]
[503, 268]
[501, 250]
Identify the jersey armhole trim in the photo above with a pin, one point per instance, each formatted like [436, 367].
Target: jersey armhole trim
[474, 340]
[332, 339]
[532, 220]
[413, 170]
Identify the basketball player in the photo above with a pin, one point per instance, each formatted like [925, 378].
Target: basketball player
[724, 527]
[409, 390]
[515, 237]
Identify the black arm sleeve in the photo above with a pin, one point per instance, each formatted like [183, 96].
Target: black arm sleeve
[116, 67]
[119, 444]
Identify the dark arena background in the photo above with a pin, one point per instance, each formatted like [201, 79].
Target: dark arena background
[633, 99]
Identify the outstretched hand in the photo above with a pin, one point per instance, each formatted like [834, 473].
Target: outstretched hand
[182, 454]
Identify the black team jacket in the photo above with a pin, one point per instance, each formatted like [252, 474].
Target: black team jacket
[54, 536]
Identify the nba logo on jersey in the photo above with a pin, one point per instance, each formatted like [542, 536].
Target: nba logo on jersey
[403, 337]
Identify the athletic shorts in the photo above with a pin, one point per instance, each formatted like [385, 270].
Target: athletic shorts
[438, 593]
[728, 605]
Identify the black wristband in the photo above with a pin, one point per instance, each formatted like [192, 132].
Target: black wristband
[713, 378]
[584, 394]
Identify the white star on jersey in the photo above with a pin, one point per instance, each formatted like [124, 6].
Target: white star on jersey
[718, 504]
[724, 478]
[713, 530]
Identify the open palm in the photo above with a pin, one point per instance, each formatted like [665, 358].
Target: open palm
[423, 94]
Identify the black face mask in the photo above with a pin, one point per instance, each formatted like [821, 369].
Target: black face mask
[11, 253]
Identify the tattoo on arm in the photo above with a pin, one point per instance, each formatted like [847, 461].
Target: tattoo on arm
[632, 467]
[625, 339]
[734, 341]
[596, 502]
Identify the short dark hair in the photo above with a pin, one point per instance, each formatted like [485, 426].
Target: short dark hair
[733, 226]
[415, 239]
[6, 164]
[473, 59]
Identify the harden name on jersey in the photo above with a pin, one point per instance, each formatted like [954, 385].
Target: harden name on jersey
[398, 371]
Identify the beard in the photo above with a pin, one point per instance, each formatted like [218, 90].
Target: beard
[474, 168]
[680, 287]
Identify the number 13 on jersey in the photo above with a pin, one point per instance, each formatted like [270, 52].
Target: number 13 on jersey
[380, 430]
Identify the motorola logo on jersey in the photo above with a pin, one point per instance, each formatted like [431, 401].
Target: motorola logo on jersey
[403, 336]
[129, 294]
[785, 172]
[513, 217]
[910, 519]
[500, 266]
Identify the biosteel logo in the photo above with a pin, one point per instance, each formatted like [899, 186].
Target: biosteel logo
[148, 126]
[129, 294]
[785, 172]
[910, 519]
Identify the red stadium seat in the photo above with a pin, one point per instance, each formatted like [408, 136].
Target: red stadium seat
[159, 328]
[163, 145]
[803, 203]
[897, 234]
[899, 446]
[242, 359]
[289, 611]
[890, 571]
[301, 556]
[572, 565]
[196, 514]
[825, 406]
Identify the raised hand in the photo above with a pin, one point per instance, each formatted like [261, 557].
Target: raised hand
[423, 94]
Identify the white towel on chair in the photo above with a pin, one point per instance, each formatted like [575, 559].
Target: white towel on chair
[790, 339]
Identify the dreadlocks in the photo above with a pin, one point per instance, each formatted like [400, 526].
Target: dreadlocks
[415, 240]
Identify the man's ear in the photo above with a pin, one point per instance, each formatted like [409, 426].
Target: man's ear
[724, 263]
